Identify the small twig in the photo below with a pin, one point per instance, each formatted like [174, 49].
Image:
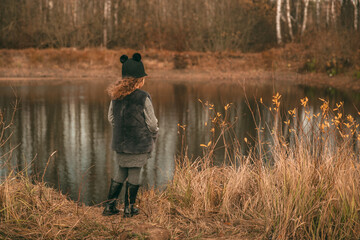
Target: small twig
[47, 164]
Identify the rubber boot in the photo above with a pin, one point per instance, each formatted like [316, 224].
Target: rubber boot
[114, 191]
[130, 198]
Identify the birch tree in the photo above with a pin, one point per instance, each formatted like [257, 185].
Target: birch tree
[74, 11]
[50, 5]
[278, 21]
[355, 3]
[205, 24]
[328, 13]
[288, 17]
[318, 13]
[107, 11]
[333, 13]
[116, 9]
[209, 13]
[306, 7]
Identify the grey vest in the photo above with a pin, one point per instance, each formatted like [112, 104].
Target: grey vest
[130, 132]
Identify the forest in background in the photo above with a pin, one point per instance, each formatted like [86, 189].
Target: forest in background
[183, 25]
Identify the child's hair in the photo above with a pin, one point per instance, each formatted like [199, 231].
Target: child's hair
[123, 87]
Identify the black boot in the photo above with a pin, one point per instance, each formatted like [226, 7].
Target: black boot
[130, 197]
[114, 191]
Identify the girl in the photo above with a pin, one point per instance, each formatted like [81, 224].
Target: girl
[134, 133]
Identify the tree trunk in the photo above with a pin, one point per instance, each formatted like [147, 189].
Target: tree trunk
[107, 7]
[43, 12]
[305, 16]
[74, 9]
[355, 3]
[333, 14]
[209, 13]
[180, 14]
[289, 19]
[116, 20]
[327, 14]
[297, 13]
[318, 13]
[109, 20]
[278, 22]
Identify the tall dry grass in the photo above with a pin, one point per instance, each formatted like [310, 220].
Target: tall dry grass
[306, 192]
[309, 189]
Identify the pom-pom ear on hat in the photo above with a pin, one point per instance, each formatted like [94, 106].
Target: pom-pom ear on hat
[123, 58]
[137, 57]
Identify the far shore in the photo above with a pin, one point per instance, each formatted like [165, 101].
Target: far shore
[249, 78]
[59, 66]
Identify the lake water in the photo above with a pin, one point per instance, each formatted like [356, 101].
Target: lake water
[71, 119]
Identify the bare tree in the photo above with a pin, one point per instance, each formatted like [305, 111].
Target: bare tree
[116, 20]
[355, 3]
[288, 17]
[107, 11]
[184, 25]
[328, 13]
[305, 17]
[74, 12]
[278, 21]
[333, 13]
[318, 13]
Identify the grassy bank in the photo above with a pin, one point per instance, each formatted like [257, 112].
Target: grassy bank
[297, 198]
[31, 210]
[34, 211]
[306, 189]
[304, 57]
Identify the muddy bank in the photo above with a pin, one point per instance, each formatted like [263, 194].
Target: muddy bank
[275, 66]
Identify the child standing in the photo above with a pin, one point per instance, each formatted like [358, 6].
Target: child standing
[135, 128]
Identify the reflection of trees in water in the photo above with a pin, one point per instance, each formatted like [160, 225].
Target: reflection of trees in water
[73, 121]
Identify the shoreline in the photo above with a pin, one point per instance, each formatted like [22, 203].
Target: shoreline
[248, 78]
[273, 67]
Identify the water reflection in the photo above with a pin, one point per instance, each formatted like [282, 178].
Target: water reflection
[72, 120]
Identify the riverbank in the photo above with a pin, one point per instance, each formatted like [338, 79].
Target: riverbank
[302, 196]
[307, 188]
[35, 211]
[288, 65]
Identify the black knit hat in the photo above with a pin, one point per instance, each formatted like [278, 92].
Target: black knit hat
[132, 67]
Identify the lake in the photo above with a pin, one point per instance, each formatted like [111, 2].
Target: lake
[71, 119]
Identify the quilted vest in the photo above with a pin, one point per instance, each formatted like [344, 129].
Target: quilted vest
[130, 132]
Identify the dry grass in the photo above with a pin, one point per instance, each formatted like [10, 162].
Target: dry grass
[33, 211]
[309, 189]
[306, 192]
